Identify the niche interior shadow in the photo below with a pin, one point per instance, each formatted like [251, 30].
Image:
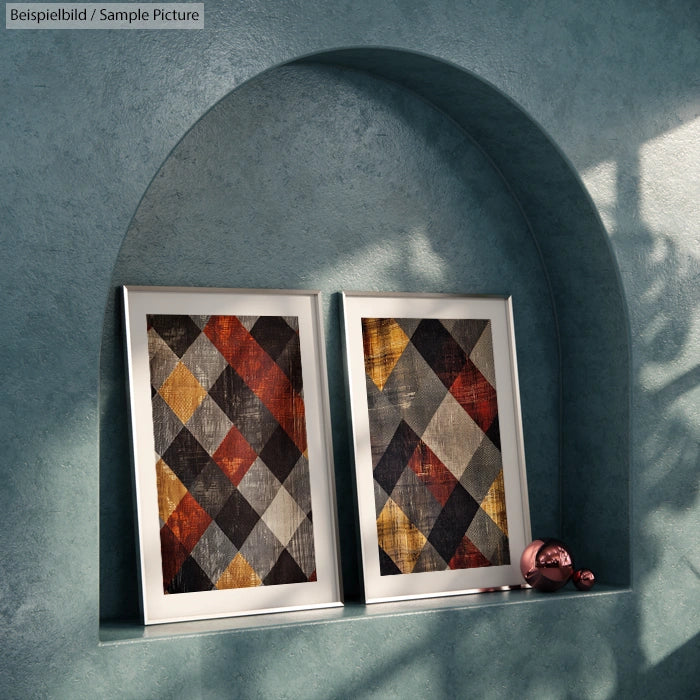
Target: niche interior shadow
[386, 170]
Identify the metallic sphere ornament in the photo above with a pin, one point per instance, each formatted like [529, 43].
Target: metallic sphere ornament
[527, 560]
[547, 565]
[584, 579]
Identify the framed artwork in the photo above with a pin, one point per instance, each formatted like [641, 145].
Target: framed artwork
[437, 442]
[233, 473]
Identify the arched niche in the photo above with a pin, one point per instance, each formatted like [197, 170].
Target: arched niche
[381, 169]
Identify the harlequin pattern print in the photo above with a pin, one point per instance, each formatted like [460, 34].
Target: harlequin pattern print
[436, 457]
[231, 459]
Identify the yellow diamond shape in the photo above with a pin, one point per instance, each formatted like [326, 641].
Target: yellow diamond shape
[384, 342]
[238, 574]
[170, 490]
[182, 392]
[399, 537]
[494, 503]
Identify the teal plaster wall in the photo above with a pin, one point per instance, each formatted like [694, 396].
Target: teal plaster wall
[90, 117]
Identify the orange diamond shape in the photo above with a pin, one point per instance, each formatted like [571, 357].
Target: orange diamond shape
[182, 392]
[399, 537]
[384, 342]
[238, 574]
[170, 490]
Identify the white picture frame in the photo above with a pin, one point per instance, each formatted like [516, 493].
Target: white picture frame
[396, 483]
[285, 542]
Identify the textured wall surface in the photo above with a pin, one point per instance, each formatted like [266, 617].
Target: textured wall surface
[89, 118]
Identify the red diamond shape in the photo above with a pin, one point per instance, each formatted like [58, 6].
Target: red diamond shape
[188, 521]
[476, 396]
[235, 455]
[432, 472]
[468, 556]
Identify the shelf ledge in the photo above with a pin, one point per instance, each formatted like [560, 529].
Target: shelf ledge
[130, 632]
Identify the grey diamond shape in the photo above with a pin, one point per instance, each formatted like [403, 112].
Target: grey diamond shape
[301, 547]
[166, 425]
[201, 321]
[466, 331]
[384, 419]
[212, 488]
[482, 469]
[482, 356]
[247, 321]
[489, 538]
[298, 484]
[209, 424]
[416, 501]
[380, 497]
[408, 325]
[161, 359]
[429, 560]
[259, 486]
[261, 549]
[214, 552]
[415, 389]
[292, 322]
[204, 361]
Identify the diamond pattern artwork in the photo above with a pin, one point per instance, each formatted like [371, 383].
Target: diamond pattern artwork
[234, 494]
[434, 434]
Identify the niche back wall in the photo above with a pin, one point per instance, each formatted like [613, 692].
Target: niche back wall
[321, 177]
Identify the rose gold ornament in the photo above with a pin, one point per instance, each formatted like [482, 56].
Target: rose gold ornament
[584, 579]
[527, 560]
[546, 565]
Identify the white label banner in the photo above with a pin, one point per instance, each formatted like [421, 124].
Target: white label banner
[109, 15]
